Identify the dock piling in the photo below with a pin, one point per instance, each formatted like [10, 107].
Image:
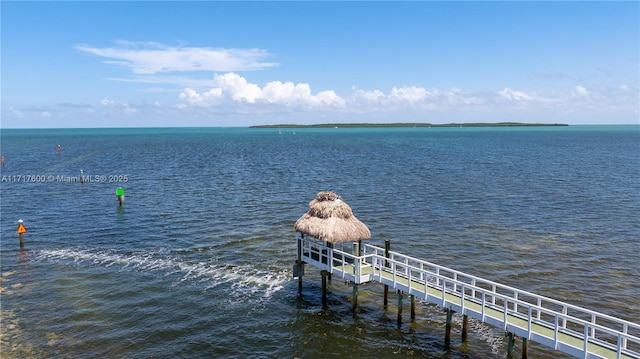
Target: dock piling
[465, 327]
[400, 295]
[324, 274]
[299, 265]
[447, 329]
[510, 345]
[387, 246]
[356, 252]
[413, 308]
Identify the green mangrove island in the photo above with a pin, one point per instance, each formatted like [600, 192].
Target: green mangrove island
[421, 124]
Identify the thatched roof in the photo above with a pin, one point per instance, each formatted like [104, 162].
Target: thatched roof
[330, 219]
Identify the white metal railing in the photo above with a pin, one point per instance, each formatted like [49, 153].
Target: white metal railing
[562, 326]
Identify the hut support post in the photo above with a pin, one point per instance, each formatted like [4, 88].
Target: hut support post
[387, 246]
[324, 274]
[447, 330]
[465, 327]
[413, 307]
[356, 263]
[299, 265]
[400, 308]
[525, 350]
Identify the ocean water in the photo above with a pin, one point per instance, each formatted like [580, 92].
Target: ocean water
[198, 261]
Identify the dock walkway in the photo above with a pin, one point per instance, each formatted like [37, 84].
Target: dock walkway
[571, 329]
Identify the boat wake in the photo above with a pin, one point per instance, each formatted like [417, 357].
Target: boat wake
[244, 279]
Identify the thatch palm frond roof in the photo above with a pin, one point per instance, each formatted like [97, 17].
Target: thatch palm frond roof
[330, 219]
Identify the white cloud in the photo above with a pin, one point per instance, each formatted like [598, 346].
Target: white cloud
[115, 106]
[233, 93]
[16, 113]
[234, 89]
[147, 58]
[513, 95]
[411, 94]
[107, 103]
[581, 91]
[237, 88]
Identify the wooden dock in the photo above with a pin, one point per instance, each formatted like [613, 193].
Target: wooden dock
[564, 327]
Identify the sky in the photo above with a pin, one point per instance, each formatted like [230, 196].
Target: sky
[207, 63]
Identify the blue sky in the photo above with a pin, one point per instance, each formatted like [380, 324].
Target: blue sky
[155, 64]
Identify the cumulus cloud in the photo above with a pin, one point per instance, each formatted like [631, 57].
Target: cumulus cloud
[231, 88]
[228, 92]
[115, 106]
[147, 58]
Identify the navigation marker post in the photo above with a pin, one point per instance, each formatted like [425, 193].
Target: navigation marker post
[120, 195]
[21, 230]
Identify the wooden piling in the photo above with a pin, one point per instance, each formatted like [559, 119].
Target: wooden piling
[465, 327]
[355, 299]
[356, 252]
[300, 265]
[400, 308]
[447, 330]
[386, 296]
[525, 350]
[413, 308]
[387, 246]
[510, 345]
[324, 287]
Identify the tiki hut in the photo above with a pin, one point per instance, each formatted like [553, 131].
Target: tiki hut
[331, 220]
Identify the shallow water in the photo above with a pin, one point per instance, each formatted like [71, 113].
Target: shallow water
[197, 263]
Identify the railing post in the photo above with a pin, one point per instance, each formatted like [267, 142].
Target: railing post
[484, 304]
[506, 308]
[529, 322]
[555, 332]
[586, 341]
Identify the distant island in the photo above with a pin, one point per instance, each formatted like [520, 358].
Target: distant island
[349, 125]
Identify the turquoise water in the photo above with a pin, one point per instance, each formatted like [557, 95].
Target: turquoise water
[197, 263]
